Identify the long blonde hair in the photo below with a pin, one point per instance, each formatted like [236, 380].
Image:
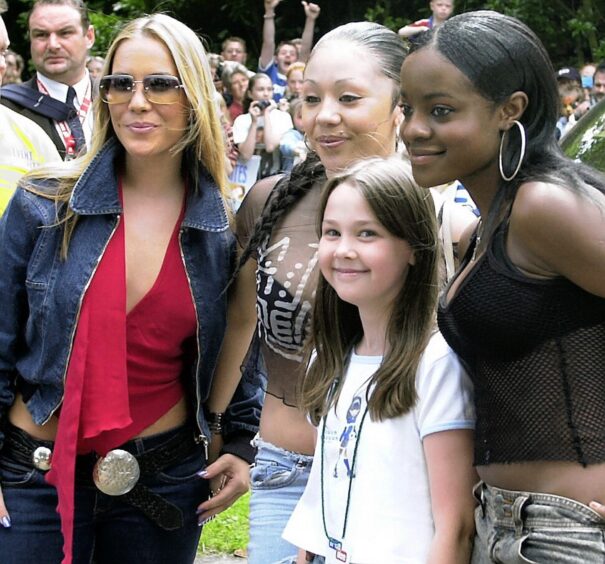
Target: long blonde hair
[203, 141]
[407, 212]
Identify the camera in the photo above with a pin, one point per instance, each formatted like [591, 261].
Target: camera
[263, 104]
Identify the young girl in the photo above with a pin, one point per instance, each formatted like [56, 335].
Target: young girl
[526, 312]
[258, 131]
[392, 473]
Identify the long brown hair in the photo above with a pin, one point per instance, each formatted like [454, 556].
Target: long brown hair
[407, 212]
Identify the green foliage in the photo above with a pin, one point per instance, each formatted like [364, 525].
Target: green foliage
[106, 27]
[229, 531]
[381, 13]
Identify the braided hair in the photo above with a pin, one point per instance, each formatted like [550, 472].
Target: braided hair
[288, 190]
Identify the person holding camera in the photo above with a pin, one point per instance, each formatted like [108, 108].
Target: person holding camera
[257, 132]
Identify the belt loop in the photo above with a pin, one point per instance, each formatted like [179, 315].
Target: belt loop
[479, 494]
[518, 517]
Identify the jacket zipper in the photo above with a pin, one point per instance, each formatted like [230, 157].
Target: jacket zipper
[73, 333]
[201, 438]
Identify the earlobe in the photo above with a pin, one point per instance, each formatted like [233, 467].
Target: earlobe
[412, 259]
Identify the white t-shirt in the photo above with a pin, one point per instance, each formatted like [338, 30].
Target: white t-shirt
[281, 122]
[23, 145]
[389, 517]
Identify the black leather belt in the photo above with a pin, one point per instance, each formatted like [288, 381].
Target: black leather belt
[22, 447]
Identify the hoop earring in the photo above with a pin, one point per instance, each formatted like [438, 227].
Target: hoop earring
[521, 156]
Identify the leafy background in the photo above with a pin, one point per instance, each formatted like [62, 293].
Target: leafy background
[572, 31]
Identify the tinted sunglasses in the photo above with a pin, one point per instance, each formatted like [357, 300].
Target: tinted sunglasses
[157, 88]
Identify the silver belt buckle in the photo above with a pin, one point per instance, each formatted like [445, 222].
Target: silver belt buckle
[116, 473]
[41, 458]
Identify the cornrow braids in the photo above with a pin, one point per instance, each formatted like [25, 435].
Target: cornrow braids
[287, 191]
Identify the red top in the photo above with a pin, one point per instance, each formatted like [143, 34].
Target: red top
[124, 370]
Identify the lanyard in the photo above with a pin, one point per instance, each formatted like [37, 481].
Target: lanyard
[335, 544]
[68, 138]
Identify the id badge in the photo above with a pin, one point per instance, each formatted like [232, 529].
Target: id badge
[337, 553]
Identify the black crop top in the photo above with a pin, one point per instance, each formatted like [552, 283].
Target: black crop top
[535, 351]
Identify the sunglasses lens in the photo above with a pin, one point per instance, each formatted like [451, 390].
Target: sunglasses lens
[162, 89]
[116, 89]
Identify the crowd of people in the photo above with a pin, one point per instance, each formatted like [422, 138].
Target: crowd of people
[367, 287]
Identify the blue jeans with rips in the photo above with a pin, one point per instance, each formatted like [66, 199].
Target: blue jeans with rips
[519, 527]
[278, 479]
[106, 530]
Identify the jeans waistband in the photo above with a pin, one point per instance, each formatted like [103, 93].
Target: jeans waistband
[514, 508]
[267, 449]
[163, 450]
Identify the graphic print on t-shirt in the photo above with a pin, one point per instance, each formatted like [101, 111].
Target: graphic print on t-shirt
[346, 449]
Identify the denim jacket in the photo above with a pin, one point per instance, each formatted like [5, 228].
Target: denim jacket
[41, 293]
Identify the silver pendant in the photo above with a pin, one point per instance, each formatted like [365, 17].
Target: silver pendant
[41, 458]
[116, 473]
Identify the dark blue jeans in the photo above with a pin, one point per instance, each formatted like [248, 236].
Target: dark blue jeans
[106, 530]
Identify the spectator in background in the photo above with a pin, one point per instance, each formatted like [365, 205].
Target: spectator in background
[598, 84]
[258, 131]
[23, 145]
[275, 62]
[587, 73]
[235, 82]
[441, 10]
[95, 66]
[14, 68]
[573, 105]
[294, 78]
[59, 98]
[292, 143]
[234, 49]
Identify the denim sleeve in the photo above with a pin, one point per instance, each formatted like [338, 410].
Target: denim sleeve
[19, 230]
[243, 413]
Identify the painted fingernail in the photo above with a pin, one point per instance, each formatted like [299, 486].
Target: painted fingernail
[5, 521]
[202, 473]
[203, 522]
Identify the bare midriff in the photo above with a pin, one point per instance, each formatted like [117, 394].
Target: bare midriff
[566, 479]
[20, 417]
[286, 427]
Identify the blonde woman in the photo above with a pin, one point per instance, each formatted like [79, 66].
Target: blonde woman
[112, 272]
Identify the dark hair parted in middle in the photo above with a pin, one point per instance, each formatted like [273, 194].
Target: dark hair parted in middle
[407, 212]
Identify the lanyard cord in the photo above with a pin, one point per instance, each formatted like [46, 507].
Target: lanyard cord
[352, 475]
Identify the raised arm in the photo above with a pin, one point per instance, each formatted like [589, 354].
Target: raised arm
[311, 14]
[268, 46]
[410, 30]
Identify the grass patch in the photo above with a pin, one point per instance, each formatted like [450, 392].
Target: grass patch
[229, 531]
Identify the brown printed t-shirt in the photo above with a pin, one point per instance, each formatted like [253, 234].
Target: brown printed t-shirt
[286, 278]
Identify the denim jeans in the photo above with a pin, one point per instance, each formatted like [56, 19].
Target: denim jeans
[278, 479]
[516, 527]
[105, 528]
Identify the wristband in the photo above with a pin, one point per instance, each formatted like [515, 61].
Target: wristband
[215, 422]
[269, 16]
